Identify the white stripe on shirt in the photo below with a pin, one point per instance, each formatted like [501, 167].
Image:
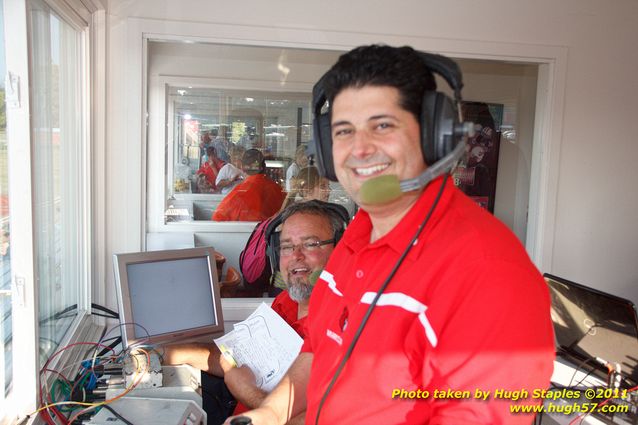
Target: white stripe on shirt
[328, 277]
[406, 302]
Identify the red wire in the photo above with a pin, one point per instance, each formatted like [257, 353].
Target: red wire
[47, 417]
[601, 404]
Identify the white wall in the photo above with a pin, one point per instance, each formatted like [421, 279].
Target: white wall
[595, 239]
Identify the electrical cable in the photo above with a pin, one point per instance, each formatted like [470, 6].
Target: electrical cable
[357, 334]
[592, 370]
[103, 315]
[602, 403]
[61, 314]
[92, 406]
[577, 368]
[44, 410]
[112, 346]
[114, 314]
[117, 415]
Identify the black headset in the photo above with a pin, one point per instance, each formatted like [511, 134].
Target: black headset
[272, 234]
[439, 120]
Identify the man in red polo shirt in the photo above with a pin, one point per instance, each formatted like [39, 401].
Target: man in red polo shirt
[256, 198]
[210, 168]
[307, 236]
[433, 302]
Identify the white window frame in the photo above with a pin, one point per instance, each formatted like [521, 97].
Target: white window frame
[89, 19]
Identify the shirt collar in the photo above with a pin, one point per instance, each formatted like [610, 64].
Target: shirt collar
[258, 176]
[357, 236]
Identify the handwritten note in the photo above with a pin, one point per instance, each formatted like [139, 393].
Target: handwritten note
[265, 343]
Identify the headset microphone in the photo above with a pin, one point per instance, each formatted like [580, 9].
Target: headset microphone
[314, 277]
[384, 189]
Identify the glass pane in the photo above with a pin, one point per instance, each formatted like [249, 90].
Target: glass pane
[277, 124]
[57, 130]
[496, 172]
[476, 174]
[6, 370]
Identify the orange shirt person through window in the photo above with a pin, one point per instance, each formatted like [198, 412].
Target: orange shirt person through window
[256, 198]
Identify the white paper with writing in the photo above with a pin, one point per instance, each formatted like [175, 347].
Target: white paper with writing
[265, 343]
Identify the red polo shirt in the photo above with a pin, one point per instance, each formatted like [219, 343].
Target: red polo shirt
[210, 173]
[466, 310]
[288, 309]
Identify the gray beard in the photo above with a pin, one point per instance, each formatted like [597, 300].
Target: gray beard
[299, 290]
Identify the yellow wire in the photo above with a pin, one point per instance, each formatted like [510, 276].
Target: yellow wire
[94, 405]
[128, 390]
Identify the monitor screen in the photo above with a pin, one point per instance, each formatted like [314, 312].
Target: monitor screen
[168, 296]
[589, 323]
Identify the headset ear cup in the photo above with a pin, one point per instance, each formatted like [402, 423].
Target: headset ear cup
[323, 146]
[272, 253]
[272, 242]
[428, 126]
[322, 137]
[438, 120]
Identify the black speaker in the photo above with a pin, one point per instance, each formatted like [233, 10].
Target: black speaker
[272, 234]
[439, 117]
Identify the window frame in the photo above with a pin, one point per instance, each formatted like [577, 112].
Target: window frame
[90, 24]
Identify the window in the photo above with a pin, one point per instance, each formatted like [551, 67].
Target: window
[48, 179]
[6, 358]
[59, 152]
[232, 99]
[231, 121]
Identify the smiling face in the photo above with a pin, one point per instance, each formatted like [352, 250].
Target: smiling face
[297, 267]
[373, 136]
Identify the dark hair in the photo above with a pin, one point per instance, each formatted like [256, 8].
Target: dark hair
[211, 151]
[250, 157]
[380, 65]
[338, 218]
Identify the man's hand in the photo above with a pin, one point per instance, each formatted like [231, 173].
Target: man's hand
[288, 399]
[241, 383]
[243, 375]
[226, 364]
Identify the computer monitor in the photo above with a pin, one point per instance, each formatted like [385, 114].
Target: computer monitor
[589, 323]
[168, 296]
